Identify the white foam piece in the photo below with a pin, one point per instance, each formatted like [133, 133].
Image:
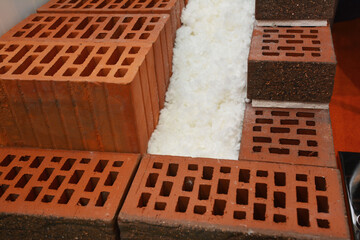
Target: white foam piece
[292, 23]
[205, 101]
[280, 104]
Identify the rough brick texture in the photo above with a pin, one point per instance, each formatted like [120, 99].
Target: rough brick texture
[294, 136]
[295, 9]
[89, 96]
[184, 198]
[291, 64]
[50, 194]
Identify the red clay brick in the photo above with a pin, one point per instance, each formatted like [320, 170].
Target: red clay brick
[291, 64]
[50, 194]
[185, 198]
[89, 96]
[294, 136]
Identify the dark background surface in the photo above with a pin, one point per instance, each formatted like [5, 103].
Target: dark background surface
[347, 10]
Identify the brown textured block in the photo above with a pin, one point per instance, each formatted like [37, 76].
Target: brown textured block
[291, 64]
[131, 28]
[50, 194]
[89, 96]
[293, 136]
[295, 9]
[184, 198]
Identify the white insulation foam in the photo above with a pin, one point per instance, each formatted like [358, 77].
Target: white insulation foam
[205, 101]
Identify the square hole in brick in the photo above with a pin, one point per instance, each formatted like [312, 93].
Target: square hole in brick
[182, 204]
[24, 158]
[151, 180]
[3, 188]
[33, 194]
[91, 185]
[83, 202]
[323, 223]
[261, 190]
[192, 167]
[47, 198]
[322, 204]
[279, 200]
[101, 166]
[45, 175]
[172, 170]
[303, 217]
[242, 196]
[257, 149]
[160, 206]
[207, 173]
[118, 163]
[239, 215]
[55, 184]
[261, 173]
[259, 211]
[204, 192]
[157, 165]
[244, 175]
[225, 169]
[302, 194]
[201, 210]
[56, 159]
[280, 179]
[223, 186]
[103, 196]
[219, 207]
[12, 173]
[68, 164]
[188, 184]
[111, 178]
[37, 161]
[166, 189]
[301, 177]
[23, 181]
[144, 200]
[12, 197]
[278, 218]
[320, 183]
[85, 160]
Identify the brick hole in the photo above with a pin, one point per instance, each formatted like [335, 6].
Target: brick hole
[83, 202]
[137, 6]
[285, 141]
[45, 35]
[305, 114]
[280, 179]
[157, 165]
[316, 54]
[112, 6]
[303, 217]
[278, 218]
[204, 192]
[192, 167]
[139, 24]
[259, 211]
[265, 48]
[88, 70]
[259, 112]
[322, 204]
[130, 36]
[257, 149]
[261, 173]
[56, 67]
[289, 54]
[182, 204]
[264, 121]
[103, 72]
[145, 36]
[294, 41]
[66, 196]
[286, 36]
[257, 128]
[40, 48]
[91, 185]
[36, 70]
[3, 188]
[289, 122]
[127, 19]
[144, 199]
[155, 19]
[242, 196]
[280, 151]
[149, 27]
[111, 178]
[23, 181]
[101, 166]
[271, 30]
[75, 178]
[207, 173]
[270, 41]
[310, 123]
[308, 153]
[262, 140]
[323, 223]
[317, 49]
[306, 132]
[85, 160]
[69, 72]
[301, 177]
[28, 26]
[73, 35]
[13, 173]
[12, 48]
[261, 190]
[294, 31]
[47, 198]
[280, 113]
[74, 19]
[162, 5]
[270, 53]
[239, 215]
[37, 19]
[101, 36]
[55, 6]
[279, 130]
[51, 54]
[56, 182]
[160, 206]
[7, 160]
[4, 69]
[302, 194]
[68, 164]
[225, 170]
[102, 50]
[316, 42]
[311, 143]
[151, 180]
[266, 35]
[19, 34]
[188, 184]
[279, 200]
[201, 210]
[33, 194]
[127, 61]
[172, 170]
[45, 175]
[308, 36]
[12, 197]
[83, 23]
[244, 175]
[120, 73]
[219, 207]
[72, 49]
[223, 186]
[166, 189]
[83, 55]
[314, 31]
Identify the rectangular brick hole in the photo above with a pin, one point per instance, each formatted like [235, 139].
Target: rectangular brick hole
[68, 164]
[322, 204]
[308, 153]
[258, 112]
[45, 175]
[278, 218]
[280, 151]
[12, 197]
[262, 140]
[279, 130]
[111, 178]
[244, 175]
[264, 121]
[257, 149]
[280, 113]
[301, 177]
[223, 186]
[188, 184]
[85, 160]
[157, 165]
[151, 180]
[101, 165]
[91, 185]
[192, 167]
[144, 199]
[302, 194]
[56, 159]
[261, 173]
[66, 196]
[24, 158]
[323, 223]
[75, 178]
[103, 196]
[23, 181]
[166, 189]
[13, 173]
[279, 200]
[320, 183]
[289, 122]
[259, 211]
[204, 192]
[310, 123]
[115, 56]
[33, 194]
[257, 128]
[242, 196]
[160, 206]
[56, 182]
[303, 217]
[311, 143]
[225, 169]
[207, 173]
[83, 201]
[201, 210]
[305, 114]
[261, 190]
[280, 179]
[284, 141]
[3, 188]
[172, 170]
[239, 215]
[47, 198]
[37, 161]
[182, 204]
[219, 207]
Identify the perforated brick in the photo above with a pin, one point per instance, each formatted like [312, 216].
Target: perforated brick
[185, 198]
[291, 64]
[50, 194]
[293, 136]
[152, 29]
[89, 96]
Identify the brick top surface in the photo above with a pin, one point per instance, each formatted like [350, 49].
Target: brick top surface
[294, 44]
[293, 136]
[116, 6]
[90, 27]
[266, 198]
[60, 61]
[86, 185]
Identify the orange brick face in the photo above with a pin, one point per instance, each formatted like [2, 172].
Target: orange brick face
[219, 198]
